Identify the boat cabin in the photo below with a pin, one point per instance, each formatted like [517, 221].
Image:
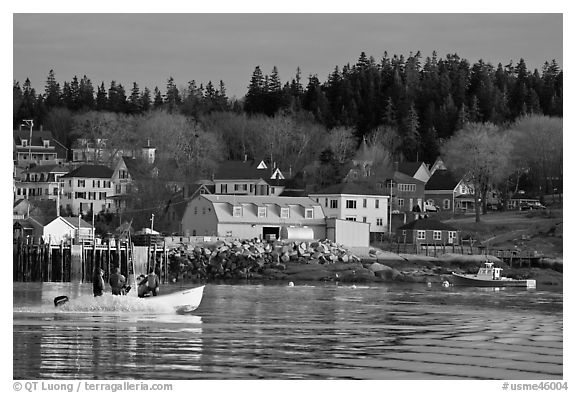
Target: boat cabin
[489, 272]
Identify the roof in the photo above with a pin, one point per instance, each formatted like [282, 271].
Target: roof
[54, 168]
[427, 224]
[136, 168]
[409, 168]
[260, 200]
[73, 221]
[353, 188]
[442, 180]
[37, 140]
[235, 170]
[91, 171]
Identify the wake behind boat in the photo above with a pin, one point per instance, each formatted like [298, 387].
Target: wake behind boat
[490, 276]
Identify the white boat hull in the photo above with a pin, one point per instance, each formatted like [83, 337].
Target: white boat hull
[183, 301]
[473, 280]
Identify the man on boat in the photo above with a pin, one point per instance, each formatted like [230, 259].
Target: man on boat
[98, 282]
[117, 282]
[148, 285]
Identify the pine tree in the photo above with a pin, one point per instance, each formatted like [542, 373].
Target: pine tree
[74, 94]
[52, 91]
[158, 100]
[86, 94]
[101, 98]
[134, 101]
[256, 93]
[173, 99]
[145, 100]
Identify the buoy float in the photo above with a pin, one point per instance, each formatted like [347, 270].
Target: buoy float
[445, 284]
[290, 284]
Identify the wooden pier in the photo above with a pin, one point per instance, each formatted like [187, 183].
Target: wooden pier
[76, 262]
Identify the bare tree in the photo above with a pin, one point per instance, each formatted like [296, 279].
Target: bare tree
[538, 149]
[480, 153]
[342, 143]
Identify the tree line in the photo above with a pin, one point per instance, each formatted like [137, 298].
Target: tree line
[408, 107]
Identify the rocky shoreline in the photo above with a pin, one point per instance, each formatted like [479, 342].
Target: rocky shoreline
[327, 261]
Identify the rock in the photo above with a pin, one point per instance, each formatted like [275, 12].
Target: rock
[375, 267]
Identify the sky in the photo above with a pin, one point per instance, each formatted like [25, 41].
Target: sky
[149, 48]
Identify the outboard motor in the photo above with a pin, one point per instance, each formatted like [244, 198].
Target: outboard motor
[60, 300]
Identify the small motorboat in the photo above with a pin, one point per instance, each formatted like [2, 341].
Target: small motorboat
[490, 276]
[182, 302]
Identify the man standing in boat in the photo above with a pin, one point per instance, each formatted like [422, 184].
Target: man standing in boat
[117, 282]
[98, 282]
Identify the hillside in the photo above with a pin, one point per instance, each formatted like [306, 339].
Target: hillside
[540, 231]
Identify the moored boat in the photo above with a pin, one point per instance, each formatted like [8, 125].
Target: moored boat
[490, 276]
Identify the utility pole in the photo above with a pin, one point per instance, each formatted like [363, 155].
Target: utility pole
[391, 205]
[30, 123]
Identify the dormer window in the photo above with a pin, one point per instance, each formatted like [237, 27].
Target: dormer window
[309, 213]
[237, 211]
[262, 212]
[24, 142]
[285, 212]
[46, 143]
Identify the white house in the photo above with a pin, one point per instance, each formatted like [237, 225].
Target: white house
[357, 201]
[55, 229]
[87, 188]
[251, 216]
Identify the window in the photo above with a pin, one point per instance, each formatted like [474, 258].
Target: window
[223, 188]
[379, 222]
[272, 191]
[118, 189]
[350, 204]
[350, 218]
[451, 235]
[309, 213]
[446, 204]
[102, 195]
[236, 187]
[203, 209]
[80, 195]
[437, 235]
[46, 143]
[365, 203]
[245, 187]
[407, 187]
[333, 203]
[81, 183]
[237, 211]
[18, 190]
[377, 203]
[55, 191]
[421, 235]
[400, 202]
[69, 183]
[261, 211]
[195, 210]
[24, 143]
[325, 202]
[285, 212]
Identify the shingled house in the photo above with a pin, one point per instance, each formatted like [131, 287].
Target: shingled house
[427, 231]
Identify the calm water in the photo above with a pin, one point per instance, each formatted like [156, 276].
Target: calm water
[272, 331]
